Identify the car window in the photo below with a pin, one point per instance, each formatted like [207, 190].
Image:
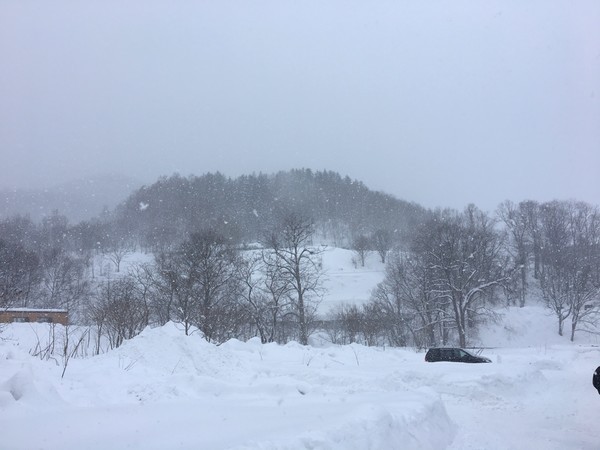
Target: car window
[448, 354]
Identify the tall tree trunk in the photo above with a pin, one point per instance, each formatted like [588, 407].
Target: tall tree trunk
[523, 284]
[302, 320]
[560, 325]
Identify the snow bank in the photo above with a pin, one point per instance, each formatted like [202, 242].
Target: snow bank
[24, 381]
[164, 389]
[410, 424]
[237, 395]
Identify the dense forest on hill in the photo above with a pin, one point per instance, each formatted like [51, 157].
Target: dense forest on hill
[244, 208]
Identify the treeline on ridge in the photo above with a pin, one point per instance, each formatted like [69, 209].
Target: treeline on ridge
[162, 214]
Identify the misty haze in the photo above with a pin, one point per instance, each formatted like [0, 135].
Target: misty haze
[255, 225]
[444, 105]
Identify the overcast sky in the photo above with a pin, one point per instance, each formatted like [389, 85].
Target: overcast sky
[439, 102]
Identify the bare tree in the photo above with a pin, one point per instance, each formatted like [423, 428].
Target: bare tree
[264, 292]
[53, 231]
[248, 273]
[382, 241]
[71, 348]
[345, 325]
[19, 274]
[392, 313]
[177, 271]
[119, 311]
[298, 262]
[555, 283]
[175, 285]
[410, 282]
[361, 245]
[96, 314]
[519, 243]
[215, 282]
[117, 251]
[200, 286]
[530, 212]
[366, 325]
[570, 261]
[148, 286]
[464, 255]
[372, 327]
[64, 284]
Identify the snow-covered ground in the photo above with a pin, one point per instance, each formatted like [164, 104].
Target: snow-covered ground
[165, 390]
[345, 282]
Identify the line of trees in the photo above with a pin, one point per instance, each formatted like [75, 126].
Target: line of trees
[36, 266]
[380, 241]
[444, 278]
[569, 266]
[206, 284]
[442, 287]
[460, 266]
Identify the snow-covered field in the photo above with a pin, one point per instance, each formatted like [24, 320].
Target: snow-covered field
[346, 283]
[165, 390]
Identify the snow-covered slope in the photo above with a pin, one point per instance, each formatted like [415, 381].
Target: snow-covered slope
[345, 282]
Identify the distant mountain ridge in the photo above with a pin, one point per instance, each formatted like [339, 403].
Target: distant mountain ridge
[78, 200]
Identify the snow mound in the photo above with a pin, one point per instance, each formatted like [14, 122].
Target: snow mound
[411, 424]
[164, 389]
[256, 396]
[26, 389]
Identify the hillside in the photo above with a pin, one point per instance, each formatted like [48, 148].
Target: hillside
[245, 208]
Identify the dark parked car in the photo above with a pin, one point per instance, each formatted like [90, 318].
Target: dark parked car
[454, 355]
[596, 379]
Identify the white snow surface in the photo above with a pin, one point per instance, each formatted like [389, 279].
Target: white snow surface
[166, 390]
[346, 283]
